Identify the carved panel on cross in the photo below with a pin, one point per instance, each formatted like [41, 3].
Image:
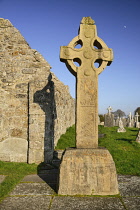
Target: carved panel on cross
[88, 120]
[88, 92]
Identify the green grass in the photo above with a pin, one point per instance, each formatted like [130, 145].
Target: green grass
[67, 139]
[14, 174]
[122, 146]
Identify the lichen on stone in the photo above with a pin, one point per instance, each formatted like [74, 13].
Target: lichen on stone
[88, 21]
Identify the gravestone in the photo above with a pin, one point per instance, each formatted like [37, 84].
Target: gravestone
[87, 169]
[117, 121]
[137, 120]
[133, 121]
[109, 118]
[124, 120]
[130, 120]
[138, 137]
[121, 127]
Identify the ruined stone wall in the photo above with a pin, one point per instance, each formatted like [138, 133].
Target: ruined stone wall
[50, 113]
[23, 72]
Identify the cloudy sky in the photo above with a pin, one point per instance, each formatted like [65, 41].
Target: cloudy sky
[48, 24]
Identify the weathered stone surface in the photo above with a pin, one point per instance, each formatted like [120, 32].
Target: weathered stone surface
[132, 203]
[14, 150]
[87, 172]
[138, 137]
[137, 124]
[48, 116]
[109, 118]
[26, 202]
[87, 79]
[23, 72]
[38, 200]
[129, 185]
[32, 189]
[86, 203]
[131, 122]
[121, 129]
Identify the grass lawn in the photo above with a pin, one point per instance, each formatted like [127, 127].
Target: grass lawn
[122, 146]
[15, 172]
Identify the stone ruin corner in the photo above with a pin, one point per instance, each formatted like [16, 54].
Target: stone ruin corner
[25, 97]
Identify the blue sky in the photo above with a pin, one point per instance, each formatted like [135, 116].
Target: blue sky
[48, 24]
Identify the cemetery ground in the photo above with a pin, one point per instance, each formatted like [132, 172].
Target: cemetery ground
[122, 146]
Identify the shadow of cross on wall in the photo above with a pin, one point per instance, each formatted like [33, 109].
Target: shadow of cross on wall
[46, 100]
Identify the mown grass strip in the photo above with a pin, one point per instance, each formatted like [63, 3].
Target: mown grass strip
[15, 173]
[67, 139]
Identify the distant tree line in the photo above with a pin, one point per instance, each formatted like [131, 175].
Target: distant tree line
[120, 113]
[102, 118]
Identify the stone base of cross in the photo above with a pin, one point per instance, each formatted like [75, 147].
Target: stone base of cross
[87, 170]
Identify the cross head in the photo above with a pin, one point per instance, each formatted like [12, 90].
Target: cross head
[137, 115]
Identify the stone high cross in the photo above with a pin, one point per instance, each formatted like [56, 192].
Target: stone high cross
[130, 115]
[137, 115]
[86, 50]
[109, 110]
[137, 120]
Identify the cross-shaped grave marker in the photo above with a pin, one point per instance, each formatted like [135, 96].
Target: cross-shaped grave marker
[109, 110]
[137, 120]
[92, 50]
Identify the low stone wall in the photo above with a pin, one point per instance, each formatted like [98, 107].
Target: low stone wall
[24, 76]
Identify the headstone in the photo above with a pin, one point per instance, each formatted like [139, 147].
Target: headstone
[133, 122]
[109, 110]
[138, 137]
[130, 120]
[117, 121]
[127, 121]
[121, 128]
[124, 120]
[87, 169]
[109, 118]
[137, 120]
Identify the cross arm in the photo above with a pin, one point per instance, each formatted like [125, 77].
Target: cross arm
[67, 55]
[105, 55]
